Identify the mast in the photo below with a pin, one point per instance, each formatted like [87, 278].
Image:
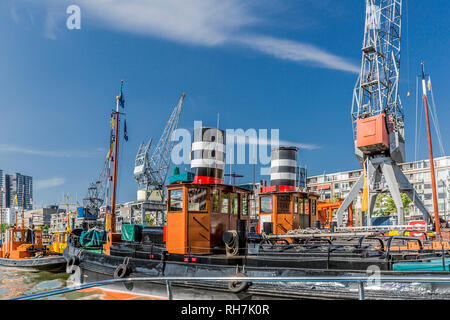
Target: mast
[23, 206]
[67, 214]
[116, 158]
[430, 150]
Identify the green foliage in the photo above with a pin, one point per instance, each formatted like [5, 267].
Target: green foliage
[148, 220]
[386, 206]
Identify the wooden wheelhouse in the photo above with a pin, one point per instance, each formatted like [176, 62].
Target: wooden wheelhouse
[286, 209]
[199, 214]
[21, 242]
[325, 212]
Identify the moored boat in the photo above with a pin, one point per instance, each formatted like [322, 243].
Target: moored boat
[23, 248]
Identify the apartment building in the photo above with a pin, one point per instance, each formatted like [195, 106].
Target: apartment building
[338, 185]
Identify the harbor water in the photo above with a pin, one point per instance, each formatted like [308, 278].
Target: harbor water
[16, 283]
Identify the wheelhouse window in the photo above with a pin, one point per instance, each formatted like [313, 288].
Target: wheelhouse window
[176, 200]
[306, 206]
[283, 203]
[295, 204]
[225, 202]
[215, 200]
[244, 204]
[197, 199]
[234, 204]
[313, 207]
[301, 204]
[265, 205]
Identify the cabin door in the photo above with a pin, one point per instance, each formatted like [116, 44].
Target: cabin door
[199, 232]
[284, 223]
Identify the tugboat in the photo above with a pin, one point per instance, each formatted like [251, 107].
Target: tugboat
[23, 248]
[207, 235]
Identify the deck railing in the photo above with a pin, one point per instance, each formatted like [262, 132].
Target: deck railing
[360, 280]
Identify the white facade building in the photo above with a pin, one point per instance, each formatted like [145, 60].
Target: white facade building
[9, 215]
[338, 185]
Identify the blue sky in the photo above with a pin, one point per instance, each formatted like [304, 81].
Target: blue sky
[260, 64]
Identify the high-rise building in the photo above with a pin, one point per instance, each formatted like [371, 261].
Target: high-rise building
[2, 190]
[18, 185]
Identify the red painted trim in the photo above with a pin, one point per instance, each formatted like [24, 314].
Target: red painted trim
[276, 189]
[207, 180]
[286, 188]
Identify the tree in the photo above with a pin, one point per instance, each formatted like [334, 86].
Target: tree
[386, 206]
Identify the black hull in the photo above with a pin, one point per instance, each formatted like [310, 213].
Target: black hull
[50, 263]
[96, 267]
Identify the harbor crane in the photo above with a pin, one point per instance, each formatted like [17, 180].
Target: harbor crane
[377, 113]
[95, 196]
[150, 169]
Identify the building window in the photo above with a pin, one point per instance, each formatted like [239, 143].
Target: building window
[265, 205]
[225, 202]
[176, 200]
[197, 199]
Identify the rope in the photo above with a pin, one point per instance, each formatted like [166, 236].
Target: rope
[232, 248]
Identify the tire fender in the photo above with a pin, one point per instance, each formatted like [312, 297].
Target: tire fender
[237, 286]
[121, 271]
[73, 262]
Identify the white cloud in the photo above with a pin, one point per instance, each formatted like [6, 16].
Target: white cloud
[48, 153]
[204, 23]
[48, 183]
[298, 52]
[250, 140]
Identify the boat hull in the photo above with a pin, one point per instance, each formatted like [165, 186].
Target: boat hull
[95, 267]
[55, 263]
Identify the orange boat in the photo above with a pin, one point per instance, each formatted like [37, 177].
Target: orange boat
[23, 248]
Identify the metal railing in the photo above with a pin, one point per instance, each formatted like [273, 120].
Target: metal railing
[360, 280]
[411, 228]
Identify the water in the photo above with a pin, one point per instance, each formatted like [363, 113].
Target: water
[16, 283]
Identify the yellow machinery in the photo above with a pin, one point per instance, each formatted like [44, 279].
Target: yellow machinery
[59, 238]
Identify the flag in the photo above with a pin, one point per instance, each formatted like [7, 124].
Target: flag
[31, 200]
[17, 201]
[429, 84]
[121, 99]
[112, 123]
[365, 197]
[110, 151]
[125, 133]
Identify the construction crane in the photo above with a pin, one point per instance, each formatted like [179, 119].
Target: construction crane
[95, 196]
[377, 112]
[150, 171]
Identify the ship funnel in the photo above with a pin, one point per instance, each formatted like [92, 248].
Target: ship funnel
[283, 166]
[208, 155]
